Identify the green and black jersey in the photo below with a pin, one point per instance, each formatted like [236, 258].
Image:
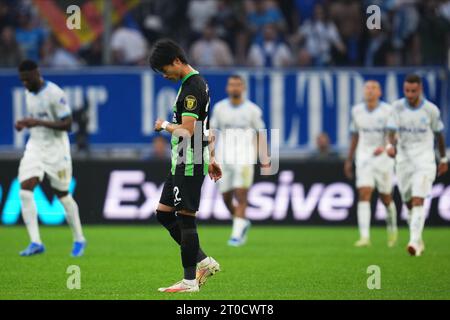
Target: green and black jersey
[190, 157]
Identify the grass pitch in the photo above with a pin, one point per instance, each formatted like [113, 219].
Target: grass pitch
[131, 262]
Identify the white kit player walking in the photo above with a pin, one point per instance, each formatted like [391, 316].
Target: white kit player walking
[47, 152]
[416, 122]
[237, 119]
[374, 168]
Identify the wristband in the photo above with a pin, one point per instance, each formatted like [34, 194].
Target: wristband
[390, 145]
[165, 124]
[443, 160]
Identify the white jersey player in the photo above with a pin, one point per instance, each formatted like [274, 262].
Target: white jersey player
[417, 122]
[47, 152]
[374, 168]
[237, 119]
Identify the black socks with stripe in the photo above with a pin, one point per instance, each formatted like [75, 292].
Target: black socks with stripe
[183, 230]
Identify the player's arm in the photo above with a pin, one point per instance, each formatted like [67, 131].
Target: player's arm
[186, 127]
[348, 164]
[391, 148]
[63, 124]
[443, 162]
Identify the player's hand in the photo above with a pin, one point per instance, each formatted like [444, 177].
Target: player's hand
[348, 169]
[391, 151]
[378, 151]
[442, 169]
[30, 122]
[19, 125]
[214, 171]
[158, 124]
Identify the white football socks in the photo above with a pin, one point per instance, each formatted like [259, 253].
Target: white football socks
[391, 219]
[239, 225]
[364, 219]
[73, 217]
[416, 225]
[29, 214]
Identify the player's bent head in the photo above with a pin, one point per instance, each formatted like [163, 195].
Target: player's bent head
[167, 57]
[29, 75]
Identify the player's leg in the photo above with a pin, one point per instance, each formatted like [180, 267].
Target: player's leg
[73, 220]
[242, 180]
[365, 183]
[391, 218]
[30, 218]
[364, 196]
[384, 187]
[60, 176]
[422, 182]
[166, 216]
[241, 224]
[227, 197]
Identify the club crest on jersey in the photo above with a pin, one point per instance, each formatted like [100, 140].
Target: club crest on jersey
[190, 103]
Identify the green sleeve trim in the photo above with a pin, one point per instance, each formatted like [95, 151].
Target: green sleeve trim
[190, 114]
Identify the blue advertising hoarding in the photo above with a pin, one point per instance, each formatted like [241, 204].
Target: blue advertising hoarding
[124, 103]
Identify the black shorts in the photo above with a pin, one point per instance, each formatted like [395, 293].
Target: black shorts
[182, 192]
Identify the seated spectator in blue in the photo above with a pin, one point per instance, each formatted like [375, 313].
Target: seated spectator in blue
[271, 51]
[30, 37]
[264, 13]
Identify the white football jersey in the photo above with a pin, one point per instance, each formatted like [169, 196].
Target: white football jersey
[416, 128]
[371, 127]
[238, 127]
[48, 104]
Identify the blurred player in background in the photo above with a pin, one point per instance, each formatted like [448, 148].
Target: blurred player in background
[191, 161]
[374, 168]
[237, 119]
[417, 122]
[47, 152]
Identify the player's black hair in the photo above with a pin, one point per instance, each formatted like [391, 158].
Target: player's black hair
[27, 65]
[413, 78]
[164, 52]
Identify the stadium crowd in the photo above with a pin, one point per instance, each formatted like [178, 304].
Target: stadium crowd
[259, 33]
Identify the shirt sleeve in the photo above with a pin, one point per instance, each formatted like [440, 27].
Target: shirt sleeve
[392, 122]
[257, 119]
[60, 105]
[192, 102]
[436, 123]
[214, 120]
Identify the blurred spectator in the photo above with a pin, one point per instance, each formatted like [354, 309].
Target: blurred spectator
[319, 35]
[128, 46]
[230, 26]
[303, 58]
[81, 121]
[271, 52]
[210, 51]
[324, 148]
[433, 35]
[378, 48]
[161, 18]
[6, 16]
[160, 148]
[305, 8]
[54, 56]
[92, 55]
[262, 13]
[10, 54]
[200, 13]
[30, 37]
[351, 25]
